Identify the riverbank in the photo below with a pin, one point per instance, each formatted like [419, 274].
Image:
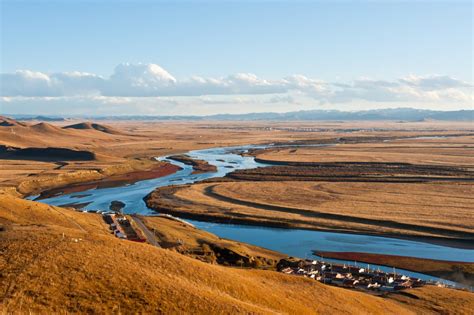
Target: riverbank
[113, 148]
[145, 171]
[184, 238]
[50, 245]
[356, 208]
[461, 272]
[361, 188]
[199, 166]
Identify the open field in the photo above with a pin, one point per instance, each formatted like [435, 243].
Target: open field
[236, 157]
[359, 188]
[418, 188]
[356, 172]
[461, 272]
[373, 208]
[454, 151]
[116, 145]
[57, 260]
[116, 148]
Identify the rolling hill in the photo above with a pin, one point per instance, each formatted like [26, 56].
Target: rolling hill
[59, 260]
[94, 126]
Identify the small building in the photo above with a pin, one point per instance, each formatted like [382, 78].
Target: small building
[121, 235]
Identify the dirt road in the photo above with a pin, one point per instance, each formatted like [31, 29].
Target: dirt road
[151, 238]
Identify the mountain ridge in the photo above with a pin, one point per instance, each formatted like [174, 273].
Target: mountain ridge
[398, 114]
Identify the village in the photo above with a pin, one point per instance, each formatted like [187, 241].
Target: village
[351, 276]
[347, 276]
[122, 227]
[341, 275]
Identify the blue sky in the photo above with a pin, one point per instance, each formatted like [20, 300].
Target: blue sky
[333, 44]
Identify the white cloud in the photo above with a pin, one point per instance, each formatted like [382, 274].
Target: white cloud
[138, 80]
[299, 81]
[27, 83]
[409, 89]
[287, 99]
[77, 83]
[30, 83]
[240, 83]
[130, 82]
[434, 82]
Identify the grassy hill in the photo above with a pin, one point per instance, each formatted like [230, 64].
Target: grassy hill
[88, 270]
[58, 260]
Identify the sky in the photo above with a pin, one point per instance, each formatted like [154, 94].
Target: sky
[204, 57]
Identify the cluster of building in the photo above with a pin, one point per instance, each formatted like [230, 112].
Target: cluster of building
[349, 276]
[121, 227]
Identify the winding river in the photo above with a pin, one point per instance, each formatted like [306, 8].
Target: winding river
[293, 242]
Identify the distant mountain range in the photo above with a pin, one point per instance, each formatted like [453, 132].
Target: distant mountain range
[408, 114]
[399, 114]
[38, 118]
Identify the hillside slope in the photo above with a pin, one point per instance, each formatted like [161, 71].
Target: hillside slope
[59, 260]
[94, 126]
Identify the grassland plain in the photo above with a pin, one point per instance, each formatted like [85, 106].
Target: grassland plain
[117, 149]
[369, 208]
[58, 260]
[450, 151]
[121, 147]
[364, 190]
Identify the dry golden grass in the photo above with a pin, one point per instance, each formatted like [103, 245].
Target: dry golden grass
[434, 300]
[44, 272]
[429, 209]
[372, 205]
[141, 139]
[426, 204]
[203, 245]
[456, 151]
[62, 178]
[56, 260]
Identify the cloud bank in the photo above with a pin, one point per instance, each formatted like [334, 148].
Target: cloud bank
[153, 85]
[151, 80]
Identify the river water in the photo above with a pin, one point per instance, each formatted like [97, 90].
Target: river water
[293, 242]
